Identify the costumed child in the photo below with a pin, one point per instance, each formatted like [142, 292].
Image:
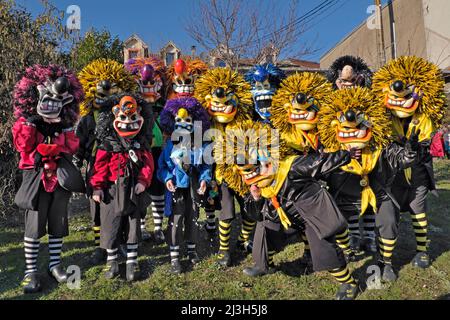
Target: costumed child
[46, 106]
[122, 171]
[265, 81]
[350, 72]
[185, 172]
[100, 79]
[352, 118]
[150, 74]
[285, 194]
[227, 98]
[412, 90]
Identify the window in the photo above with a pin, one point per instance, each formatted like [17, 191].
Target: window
[133, 54]
[170, 57]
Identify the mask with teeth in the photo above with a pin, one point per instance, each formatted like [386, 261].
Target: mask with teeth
[53, 96]
[183, 122]
[222, 105]
[183, 75]
[349, 72]
[256, 167]
[128, 122]
[302, 111]
[352, 119]
[265, 80]
[103, 91]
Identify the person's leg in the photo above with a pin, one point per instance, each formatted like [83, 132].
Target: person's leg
[191, 226]
[387, 220]
[368, 220]
[132, 227]
[175, 233]
[226, 217]
[157, 205]
[343, 239]
[245, 242]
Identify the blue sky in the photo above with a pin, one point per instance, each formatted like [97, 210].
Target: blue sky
[158, 21]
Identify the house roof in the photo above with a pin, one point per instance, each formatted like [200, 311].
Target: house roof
[136, 38]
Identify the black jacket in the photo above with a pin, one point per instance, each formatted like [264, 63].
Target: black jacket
[86, 133]
[303, 198]
[346, 189]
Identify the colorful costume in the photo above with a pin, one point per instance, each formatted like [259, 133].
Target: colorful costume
[183, 169]
[265, 81]
[351, 118]
[150, 75]
[182, 75]
[411, 88]
[46, 106]
[290, 199]
[227, 98]
[349, 72]
[122, 171]
[100, 79]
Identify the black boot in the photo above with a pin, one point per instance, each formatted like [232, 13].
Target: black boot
[58, 273]
[421, 260]
[193, 257]
[355, 243]
[145, 235]
[246, 246]
[370, 246]
[98, 256]
[224, 258]
[175, 266]
[347, 291]
[111, 269]
[31, 283]
[133, 272]
[159, 237]
[257, 272]
[388, 273]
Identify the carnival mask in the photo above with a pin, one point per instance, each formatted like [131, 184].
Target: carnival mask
[103, 91]
[257, 167]
[262, 92]
[353, 129]
[222, 105]
[53, 96]
[183, 82]
[183, 122]
[128, 122]
[302, 112]
[349, 79]
[402, 98]
[150, 84]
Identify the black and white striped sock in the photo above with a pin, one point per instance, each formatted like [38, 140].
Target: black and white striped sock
[174, 253]
[132, 253]
[210, 219]
[157, 205]
[112, 254]
[54, 249]
[190, 247]
[31, 254]
[143, 224]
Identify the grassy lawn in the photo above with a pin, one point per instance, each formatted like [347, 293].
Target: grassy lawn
[207, 281]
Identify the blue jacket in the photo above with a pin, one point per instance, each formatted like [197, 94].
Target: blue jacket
[170, 165]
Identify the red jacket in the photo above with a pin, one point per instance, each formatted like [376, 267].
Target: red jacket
[107, 163]
[27, 138]
[437, 145]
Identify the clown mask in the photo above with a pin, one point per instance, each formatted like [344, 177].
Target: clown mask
[402, 99]
[256, 168]
[128, 122]
[150, 84]
[53, 96]
[222, 105]
[183, 122]
[183, 82]
[353, 129]
[302, 112]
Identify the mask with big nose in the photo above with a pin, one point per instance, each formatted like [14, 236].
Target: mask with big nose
[53, 96]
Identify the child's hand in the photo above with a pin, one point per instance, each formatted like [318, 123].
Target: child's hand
[97, 196]
[255, 191]
[139, 188]
[170, 186]
[201, 191]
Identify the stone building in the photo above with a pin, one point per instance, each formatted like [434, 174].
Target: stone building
[135, 47]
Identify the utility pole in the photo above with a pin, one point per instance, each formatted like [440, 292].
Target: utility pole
[380, 36]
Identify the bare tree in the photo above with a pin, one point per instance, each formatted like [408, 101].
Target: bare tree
[235, 29]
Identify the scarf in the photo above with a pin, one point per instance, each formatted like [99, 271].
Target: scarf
[272, 191]
[368, 163]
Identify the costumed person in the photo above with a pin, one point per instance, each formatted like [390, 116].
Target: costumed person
[265, 81]
[123, 170]
[150, 74]
[352, 118]
[412, 90]
[100, 79]
[185, 172]
[286, 196]
[227, 98]
[46, 106]
[349, 72]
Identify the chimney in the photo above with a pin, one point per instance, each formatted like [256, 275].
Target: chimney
[193, 51]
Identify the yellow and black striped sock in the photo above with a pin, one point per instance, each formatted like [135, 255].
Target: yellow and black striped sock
[271, 254]
[343, 275]
[224, 235]
[420, 225]
[246, 230]
[96, 230]
[343, 241]
[306, 242]
[387, 247]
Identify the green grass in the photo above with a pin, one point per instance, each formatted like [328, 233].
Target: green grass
[207, 281]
